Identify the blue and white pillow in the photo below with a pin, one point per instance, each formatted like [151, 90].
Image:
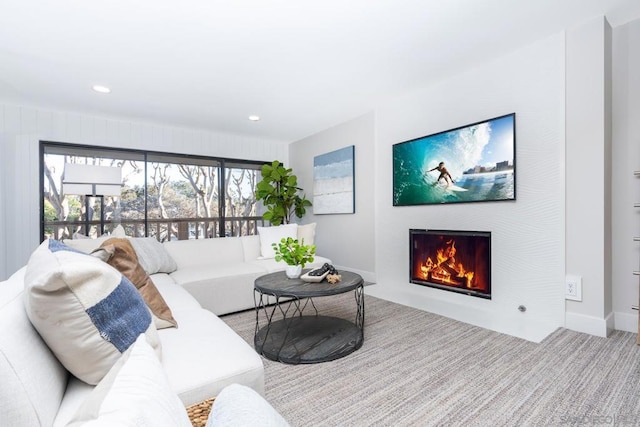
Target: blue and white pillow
[84, 309]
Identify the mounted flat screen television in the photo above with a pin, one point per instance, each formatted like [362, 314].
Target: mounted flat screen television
[472, 163]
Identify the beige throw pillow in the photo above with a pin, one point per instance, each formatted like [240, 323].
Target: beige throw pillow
[85, 310]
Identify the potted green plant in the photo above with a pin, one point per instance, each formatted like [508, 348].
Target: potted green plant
[278, 191]
[295, 254]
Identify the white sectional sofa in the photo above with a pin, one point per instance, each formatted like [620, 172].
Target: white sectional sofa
[200, 357]
[220, 273]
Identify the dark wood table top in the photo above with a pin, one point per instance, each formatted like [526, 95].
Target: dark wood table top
[278, 284]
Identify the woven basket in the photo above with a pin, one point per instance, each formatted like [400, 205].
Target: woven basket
[199, 412]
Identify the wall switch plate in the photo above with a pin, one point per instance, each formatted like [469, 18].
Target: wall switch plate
[573, 287]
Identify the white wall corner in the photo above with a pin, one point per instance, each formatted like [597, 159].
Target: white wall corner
[600, 327]
[627, 322]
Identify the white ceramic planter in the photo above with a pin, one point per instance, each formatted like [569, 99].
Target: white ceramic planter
[293, 271]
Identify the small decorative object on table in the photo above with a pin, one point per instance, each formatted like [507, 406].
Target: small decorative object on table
[334, 278]
[295, 254]
[317, 275]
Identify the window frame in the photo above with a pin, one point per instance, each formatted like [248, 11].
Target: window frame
[86, 150]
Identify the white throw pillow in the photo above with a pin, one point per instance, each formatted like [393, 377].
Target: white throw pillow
[269, 235]
[86, 244]
[152, 255]
[84, 309]
[239, 406]
[307, 233]
[118, 231]
[135, 392]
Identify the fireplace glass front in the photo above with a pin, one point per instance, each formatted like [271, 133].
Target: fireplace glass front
[457, 261]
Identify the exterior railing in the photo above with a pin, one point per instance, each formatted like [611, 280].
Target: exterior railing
[162, 229]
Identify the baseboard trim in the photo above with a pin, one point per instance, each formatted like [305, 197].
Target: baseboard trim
[589, 324]
[517, 325]
[626, 322]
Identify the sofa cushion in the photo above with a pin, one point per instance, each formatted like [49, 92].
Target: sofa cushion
[271, 235]
[75, 395]
[152, 255]
[123, 258]
[204, 355]
[85, 310]
[175, 295]
[219, 251]
[85, 244]
[135, 392]
[222, 294]
[250, 247]
[32, 380]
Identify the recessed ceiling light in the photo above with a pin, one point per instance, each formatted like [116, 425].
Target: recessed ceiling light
[101, 89]
[254, 118]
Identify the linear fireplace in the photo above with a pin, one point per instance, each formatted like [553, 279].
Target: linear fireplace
[458, 261]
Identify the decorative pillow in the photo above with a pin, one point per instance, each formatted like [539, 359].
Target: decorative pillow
[239, 406]
[85, 310]
[118, 231]
[135, 392]
[307, 233]
[269, 235]
[123, 258]
[153, 257]
[85, 244]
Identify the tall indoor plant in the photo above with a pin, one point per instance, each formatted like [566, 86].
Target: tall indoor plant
[279, 192]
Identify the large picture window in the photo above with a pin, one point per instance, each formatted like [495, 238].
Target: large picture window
[163, 195]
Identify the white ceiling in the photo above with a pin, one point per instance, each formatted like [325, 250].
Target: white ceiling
[303, 66]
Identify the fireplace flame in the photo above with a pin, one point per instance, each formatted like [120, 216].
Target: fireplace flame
[444, 269]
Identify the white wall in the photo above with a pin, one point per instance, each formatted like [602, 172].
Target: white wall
[3, 206]
[527, 234]
[588, 224]
[22, 128]
[334, 231]
[626, 159]
[574, 211]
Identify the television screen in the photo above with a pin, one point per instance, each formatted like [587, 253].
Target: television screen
[473, 163]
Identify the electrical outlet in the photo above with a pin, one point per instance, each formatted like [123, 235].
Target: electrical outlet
[573, 287]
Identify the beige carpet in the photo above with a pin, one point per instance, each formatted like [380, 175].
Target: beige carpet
[420, 369]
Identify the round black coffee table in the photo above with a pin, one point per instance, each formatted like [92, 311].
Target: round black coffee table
[286, 333]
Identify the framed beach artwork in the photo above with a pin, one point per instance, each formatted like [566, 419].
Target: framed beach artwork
[333, 182]
[472, 163]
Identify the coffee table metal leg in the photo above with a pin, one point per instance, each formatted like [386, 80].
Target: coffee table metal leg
[359, 296]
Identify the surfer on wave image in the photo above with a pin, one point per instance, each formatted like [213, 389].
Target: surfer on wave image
[444, 174]
[445, 181]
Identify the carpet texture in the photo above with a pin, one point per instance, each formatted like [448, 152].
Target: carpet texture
[420, 369]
